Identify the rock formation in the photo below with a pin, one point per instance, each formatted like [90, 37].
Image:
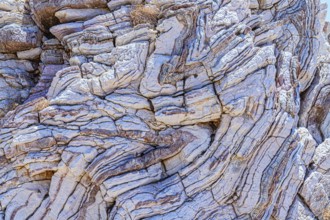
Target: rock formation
[164, 109]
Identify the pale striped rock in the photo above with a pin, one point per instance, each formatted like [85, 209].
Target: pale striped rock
[196, 110]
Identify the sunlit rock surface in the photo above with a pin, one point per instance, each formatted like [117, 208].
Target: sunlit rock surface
[169, 109]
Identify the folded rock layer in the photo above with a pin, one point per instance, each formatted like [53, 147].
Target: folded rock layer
[169, 109]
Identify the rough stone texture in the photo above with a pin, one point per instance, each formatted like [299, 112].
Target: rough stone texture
[220, 110]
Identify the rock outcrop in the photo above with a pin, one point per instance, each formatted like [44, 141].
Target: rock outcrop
[164, 109]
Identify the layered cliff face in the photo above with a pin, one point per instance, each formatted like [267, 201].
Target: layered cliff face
[164, 109]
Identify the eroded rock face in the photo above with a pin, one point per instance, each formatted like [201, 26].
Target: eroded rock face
[20, 42]
[219, 110]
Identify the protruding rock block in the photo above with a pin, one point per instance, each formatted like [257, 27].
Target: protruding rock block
[14, 38]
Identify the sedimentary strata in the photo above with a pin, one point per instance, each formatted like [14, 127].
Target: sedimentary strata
[171, 109]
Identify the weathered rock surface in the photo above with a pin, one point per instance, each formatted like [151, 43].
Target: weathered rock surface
[218, 110]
